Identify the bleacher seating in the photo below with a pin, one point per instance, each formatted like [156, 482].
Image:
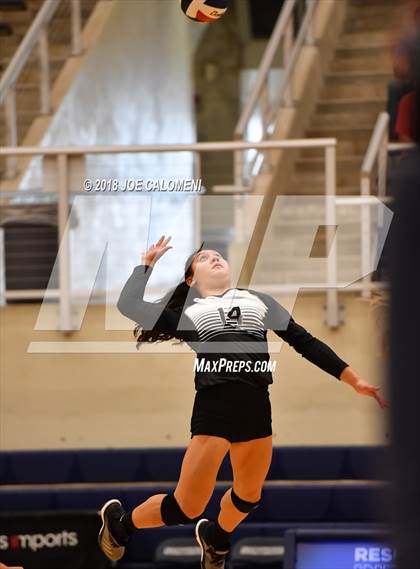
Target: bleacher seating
[309, 487]
[161, 465]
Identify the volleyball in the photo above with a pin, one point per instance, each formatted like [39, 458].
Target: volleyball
[205, 11]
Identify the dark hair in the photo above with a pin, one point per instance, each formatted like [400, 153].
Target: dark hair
[175, 298]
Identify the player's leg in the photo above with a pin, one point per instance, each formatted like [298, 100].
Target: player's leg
[250, 463]
[199, 470]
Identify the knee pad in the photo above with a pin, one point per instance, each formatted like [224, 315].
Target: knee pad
[242, 505]
[171, 513]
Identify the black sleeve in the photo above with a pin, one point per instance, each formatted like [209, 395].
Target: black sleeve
[314, 350]
[150, 315]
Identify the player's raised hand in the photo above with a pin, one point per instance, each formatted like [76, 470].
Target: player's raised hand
[3, 566]
[155, 252]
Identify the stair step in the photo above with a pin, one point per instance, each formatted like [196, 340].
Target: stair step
[360, 117]
[356, 85]
[349, 142]
[57, 54]
[59, 26]
[27, 97]
[356, 74]
[338, 105]
[17, 17]
[372, 4]
[375, 20]
[315, 186]
[361, 51]
[344, 163]
[25, 118]
[295, 266]
[9, 47]
[363, 63]
[316, 178]
[365, 39]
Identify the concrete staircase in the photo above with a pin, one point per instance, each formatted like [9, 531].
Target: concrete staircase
[16, 21]
[353, 94]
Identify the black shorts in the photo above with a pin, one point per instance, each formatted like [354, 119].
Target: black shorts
[233, 410]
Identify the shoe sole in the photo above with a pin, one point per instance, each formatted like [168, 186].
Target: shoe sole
[197, 537]
[101, 531]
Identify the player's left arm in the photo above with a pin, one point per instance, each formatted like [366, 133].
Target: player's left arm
[315, 350]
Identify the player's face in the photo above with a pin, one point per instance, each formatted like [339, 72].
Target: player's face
[209, 267]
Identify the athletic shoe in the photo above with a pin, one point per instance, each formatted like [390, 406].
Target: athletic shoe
[110, 510]
[210, 558]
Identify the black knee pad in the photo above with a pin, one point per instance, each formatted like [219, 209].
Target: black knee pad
[242, 505]
[171, 513]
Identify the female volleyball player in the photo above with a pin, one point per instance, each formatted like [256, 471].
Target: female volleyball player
[227, 327]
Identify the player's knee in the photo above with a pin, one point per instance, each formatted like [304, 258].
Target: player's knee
[173, 513]
[246, 501]
[193, 508]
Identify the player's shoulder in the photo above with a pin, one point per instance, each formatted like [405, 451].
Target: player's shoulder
[266, 298]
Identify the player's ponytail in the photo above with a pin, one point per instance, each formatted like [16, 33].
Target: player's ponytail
[175, 298]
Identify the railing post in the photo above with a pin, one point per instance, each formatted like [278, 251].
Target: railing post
[238, 165]
[76, 28]
[365, 237]
[330, 211]
[11, 128]
[264, 107]
[376, 155]
[2, 269]
[287, 52]
[197, 201]
[64, 250]
[310, 37]
[44, 65]
[382, 165]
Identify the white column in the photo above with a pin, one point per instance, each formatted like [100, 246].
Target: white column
[64, 249]
[365, 241]
[330, 211]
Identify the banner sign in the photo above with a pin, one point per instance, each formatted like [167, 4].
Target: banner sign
[51, 540]
[345, 555]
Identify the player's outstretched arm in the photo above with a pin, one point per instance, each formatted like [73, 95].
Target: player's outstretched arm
[348, 375]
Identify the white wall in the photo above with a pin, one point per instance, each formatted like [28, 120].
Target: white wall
[135, 87]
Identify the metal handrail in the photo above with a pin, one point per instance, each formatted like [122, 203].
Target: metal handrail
[25, 48]
[278, 35]
[62, 174]
[376, 155]
[196, 147]
[304, 28]
[271, 121]
[264, 68]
